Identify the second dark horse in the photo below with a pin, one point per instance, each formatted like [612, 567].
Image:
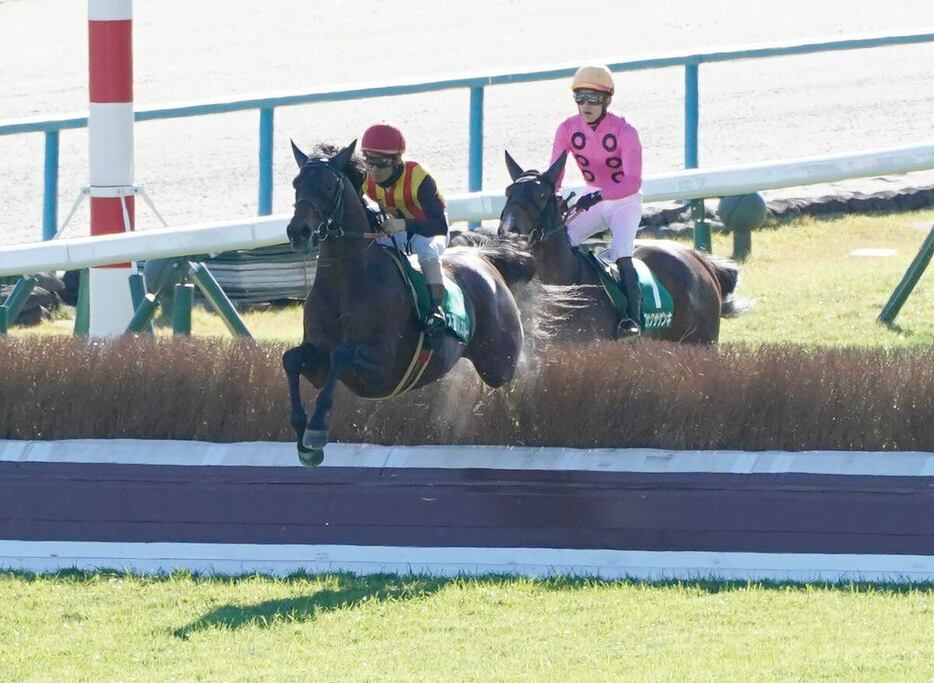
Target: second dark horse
[701, 286]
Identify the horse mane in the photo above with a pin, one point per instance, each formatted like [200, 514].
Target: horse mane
[510, 255]
[355, 172]
[355, 169]
[472, 238]
[545, 308]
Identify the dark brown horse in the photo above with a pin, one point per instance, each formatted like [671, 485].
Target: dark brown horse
[360, 324]
[700, 285]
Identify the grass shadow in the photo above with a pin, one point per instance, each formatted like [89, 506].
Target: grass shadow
[351, 591]
[896, 328]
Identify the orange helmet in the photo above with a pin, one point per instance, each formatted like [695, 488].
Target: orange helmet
[383, 139]
[594, 77]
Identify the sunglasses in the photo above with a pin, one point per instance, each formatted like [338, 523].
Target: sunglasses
[590, 97]
[378, 162]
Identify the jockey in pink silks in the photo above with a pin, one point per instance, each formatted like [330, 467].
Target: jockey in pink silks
[609, 155]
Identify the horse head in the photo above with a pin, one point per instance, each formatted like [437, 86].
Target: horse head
[322, 187]
[531, 206]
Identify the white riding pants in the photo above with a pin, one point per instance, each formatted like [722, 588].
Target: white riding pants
[427, 249]
[620, 216]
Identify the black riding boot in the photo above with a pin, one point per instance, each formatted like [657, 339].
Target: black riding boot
[434, 322]
[628, 327]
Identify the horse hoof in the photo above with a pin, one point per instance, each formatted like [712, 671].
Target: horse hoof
[310, 457]
[315, 438]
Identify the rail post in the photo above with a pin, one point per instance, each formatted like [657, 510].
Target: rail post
[265, 160]
[909, 280]
[691, 124]
[181, 307]
[213, 293]
[82, 310]
[50, 186]
[475, 171]
[138, 296]
[14, 303]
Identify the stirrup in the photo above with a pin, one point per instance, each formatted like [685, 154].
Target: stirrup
[434, 323]
[627, 329]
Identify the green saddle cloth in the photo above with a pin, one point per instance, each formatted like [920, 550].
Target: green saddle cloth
[455, 305]
[657, 304]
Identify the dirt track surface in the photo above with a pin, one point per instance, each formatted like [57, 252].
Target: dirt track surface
[206, 168]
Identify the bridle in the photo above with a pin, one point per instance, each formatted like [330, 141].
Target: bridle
[331, 224]
[543, 230]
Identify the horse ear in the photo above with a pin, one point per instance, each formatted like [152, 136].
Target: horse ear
[300, 156]
[342, 158]
[552, 174]
[515, 170]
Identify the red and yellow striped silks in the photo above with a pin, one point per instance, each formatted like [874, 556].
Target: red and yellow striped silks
[402, 196]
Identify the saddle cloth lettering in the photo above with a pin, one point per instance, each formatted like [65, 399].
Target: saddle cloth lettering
[657, 304]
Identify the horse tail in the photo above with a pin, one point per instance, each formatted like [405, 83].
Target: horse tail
[726, 271]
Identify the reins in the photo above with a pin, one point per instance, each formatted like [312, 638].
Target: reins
[324, 261]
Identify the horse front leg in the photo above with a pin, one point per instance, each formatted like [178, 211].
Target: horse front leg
[301, 359]
[315, 438]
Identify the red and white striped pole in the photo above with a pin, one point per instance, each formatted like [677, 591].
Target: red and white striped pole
[110, 128]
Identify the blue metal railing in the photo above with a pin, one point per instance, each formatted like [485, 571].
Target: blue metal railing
[476, 84]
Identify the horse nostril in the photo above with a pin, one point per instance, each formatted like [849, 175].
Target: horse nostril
[299, 234]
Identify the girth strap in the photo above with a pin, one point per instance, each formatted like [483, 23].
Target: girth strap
[422, 356]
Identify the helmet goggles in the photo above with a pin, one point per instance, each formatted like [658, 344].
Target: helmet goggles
[588, 96]
[378, 160]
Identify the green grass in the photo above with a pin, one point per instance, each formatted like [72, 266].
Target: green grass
[274, 324]
[807, 288]
[106, 626]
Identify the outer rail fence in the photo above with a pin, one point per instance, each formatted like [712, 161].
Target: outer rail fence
[475, 83]
[83, 252]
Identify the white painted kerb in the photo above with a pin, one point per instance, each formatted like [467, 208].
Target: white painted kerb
[280, 454]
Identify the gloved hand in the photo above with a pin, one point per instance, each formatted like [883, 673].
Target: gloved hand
[588, 200]
[563, 202]
[392, 226]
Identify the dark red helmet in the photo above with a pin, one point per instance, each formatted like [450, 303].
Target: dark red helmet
[383, 139]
